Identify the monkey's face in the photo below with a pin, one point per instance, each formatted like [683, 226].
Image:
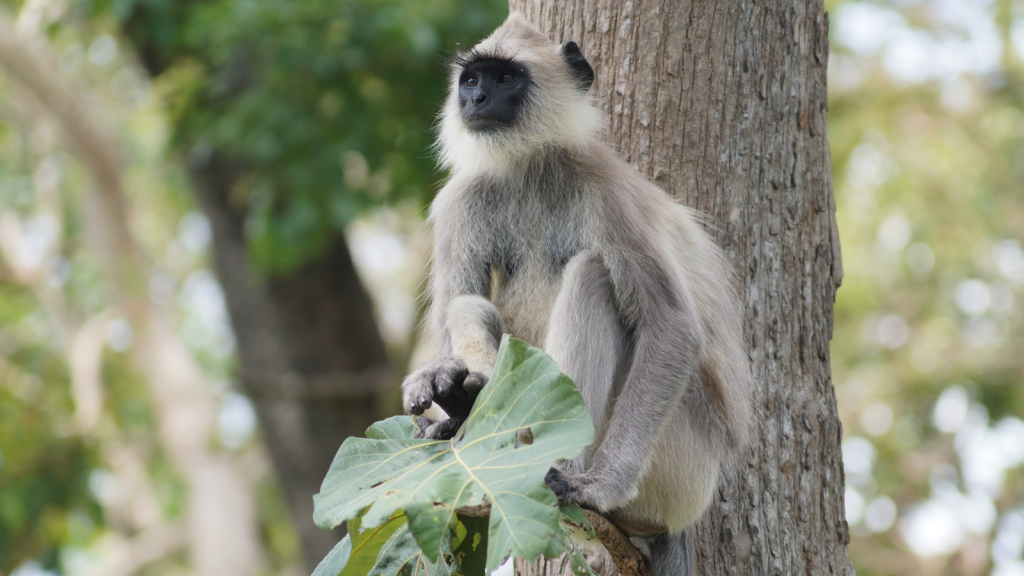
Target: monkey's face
[514, 94]
[492, 93]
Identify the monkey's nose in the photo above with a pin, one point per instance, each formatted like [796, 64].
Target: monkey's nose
[479, 97]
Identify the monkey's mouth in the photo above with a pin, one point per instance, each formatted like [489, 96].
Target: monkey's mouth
[483, 123]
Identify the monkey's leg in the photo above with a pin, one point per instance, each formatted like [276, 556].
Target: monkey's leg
[453, 381]
[586, 338]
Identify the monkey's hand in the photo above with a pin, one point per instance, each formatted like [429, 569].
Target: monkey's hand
[430, 429]
[446, 381]
[584, 490]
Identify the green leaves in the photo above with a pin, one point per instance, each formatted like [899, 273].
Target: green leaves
[389, 472]
[387, 549]
[287, 89]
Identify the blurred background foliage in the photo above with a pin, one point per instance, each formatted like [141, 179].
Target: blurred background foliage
[330, 109]
[329, 104]
[927, 133]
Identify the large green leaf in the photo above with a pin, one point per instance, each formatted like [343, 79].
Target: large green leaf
[390, 471]
[575, 527]
[402, 556]
[337, 559]
[387, 550]
[470, 545]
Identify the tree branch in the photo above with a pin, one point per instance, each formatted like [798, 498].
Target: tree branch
[627, 557]
[30, 63]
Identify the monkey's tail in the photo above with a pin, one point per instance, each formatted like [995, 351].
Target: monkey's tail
[671, 554]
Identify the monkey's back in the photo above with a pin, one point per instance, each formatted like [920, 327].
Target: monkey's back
[642, 222]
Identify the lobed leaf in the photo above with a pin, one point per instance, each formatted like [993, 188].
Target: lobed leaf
[390, 470]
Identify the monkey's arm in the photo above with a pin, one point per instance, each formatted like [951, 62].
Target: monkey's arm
[458, 264]
[664, 331]
[459, 279]
[444, 379]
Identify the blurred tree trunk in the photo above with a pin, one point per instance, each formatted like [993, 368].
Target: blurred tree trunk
[723, 104]
[311, 358]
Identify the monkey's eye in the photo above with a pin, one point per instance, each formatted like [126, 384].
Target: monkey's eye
[471, 81]
[505, 78]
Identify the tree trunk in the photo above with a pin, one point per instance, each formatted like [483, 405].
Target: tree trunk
[723, 104]
[310, 356]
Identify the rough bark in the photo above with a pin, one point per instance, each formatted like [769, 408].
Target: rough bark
[310, 356]
[723, 104]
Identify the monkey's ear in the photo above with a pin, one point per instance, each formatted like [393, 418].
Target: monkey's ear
[580, 67]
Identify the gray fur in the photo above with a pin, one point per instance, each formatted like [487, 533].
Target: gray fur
[586, 306]
[544, 228]
[670, 553]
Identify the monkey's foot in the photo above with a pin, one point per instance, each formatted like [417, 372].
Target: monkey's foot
[588, 490]
[564, 486]
[430, 429]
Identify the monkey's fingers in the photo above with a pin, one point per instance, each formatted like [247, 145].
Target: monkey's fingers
[424, 424]
[474, 383]
[448, 375]
[443, 430]
[421, 401]
[441, 382]
[457, 403]
[417, 392]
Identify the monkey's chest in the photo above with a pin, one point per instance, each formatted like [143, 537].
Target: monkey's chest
[526, 274]
[525, 302]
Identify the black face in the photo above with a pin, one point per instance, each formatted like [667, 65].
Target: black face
[492, 93]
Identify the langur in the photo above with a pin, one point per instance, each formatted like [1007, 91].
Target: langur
[543, 232]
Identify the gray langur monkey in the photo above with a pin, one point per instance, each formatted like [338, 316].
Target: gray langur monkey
[543, 232]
